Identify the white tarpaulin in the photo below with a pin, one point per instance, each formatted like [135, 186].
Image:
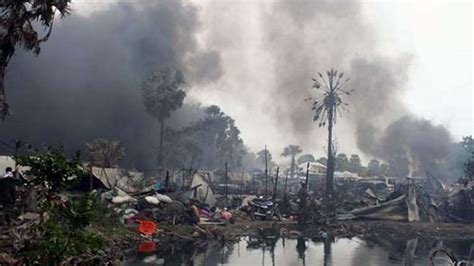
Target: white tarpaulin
[204, 192]
[115, 178]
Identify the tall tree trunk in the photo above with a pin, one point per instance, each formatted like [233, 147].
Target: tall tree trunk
[266, 172]
[276, 184]
[160, 151]
[292, 173]
[330, 168]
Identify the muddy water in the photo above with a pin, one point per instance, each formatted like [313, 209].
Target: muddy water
[280, 251]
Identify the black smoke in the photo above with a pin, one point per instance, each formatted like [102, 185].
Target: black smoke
[86, 83]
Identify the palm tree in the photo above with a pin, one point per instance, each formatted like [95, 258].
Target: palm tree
[291, 150]
[105, 153]
[326, 106]
[161, 96]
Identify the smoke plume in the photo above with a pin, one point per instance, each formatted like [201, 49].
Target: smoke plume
[323, 34]
[284, 44]
[86, 83]
[255, 60]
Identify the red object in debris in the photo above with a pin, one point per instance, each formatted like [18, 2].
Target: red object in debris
[146, 227]
[148, 246]
[225, 215]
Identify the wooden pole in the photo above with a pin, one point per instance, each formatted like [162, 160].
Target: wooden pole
[266, 171]
[225, 191]
[183, 173]
[253, 183]
[276, 183]
[242, 183]
[167, 181]
[307, 176]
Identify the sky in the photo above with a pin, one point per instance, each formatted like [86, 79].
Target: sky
[436, 36]
[439, 36]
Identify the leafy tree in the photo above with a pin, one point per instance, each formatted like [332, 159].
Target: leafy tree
[342, 162]
[468, 144]
[261, 158]
[64, 234]
[323, 160]
[363, 171]
[291, 151]
[216, 136]
[17, 28]
[51, 168]
[224, 137]
[326, 108]
[249, 161]
[355, 163]
[384, 168]
[162, 94]
[105, 153]
[306, 158]
[374, 168]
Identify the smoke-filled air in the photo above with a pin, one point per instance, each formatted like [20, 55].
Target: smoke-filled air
[87, 81]
[236, 132]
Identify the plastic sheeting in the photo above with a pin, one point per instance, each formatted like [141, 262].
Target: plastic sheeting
[204, 192]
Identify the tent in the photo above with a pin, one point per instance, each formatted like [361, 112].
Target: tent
[204, 192]
[124, 180]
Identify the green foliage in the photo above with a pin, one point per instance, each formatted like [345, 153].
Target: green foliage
[306, 158]
[292, 151]
[384, 169]
[206, 143]
[342, 163]
[363, 171]
[355, 163]
[65, 233]
[323, 160]
[51, 168]
[373, 168]
[162, 93]
[468, 144]
[76, 214]
[261, 158]
[329, 104]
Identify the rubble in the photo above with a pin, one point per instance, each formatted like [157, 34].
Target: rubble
[164, 211]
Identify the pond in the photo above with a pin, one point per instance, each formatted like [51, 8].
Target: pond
[280, 251]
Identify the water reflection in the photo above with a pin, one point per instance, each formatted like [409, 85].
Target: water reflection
[272, 250]
[301, 249]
